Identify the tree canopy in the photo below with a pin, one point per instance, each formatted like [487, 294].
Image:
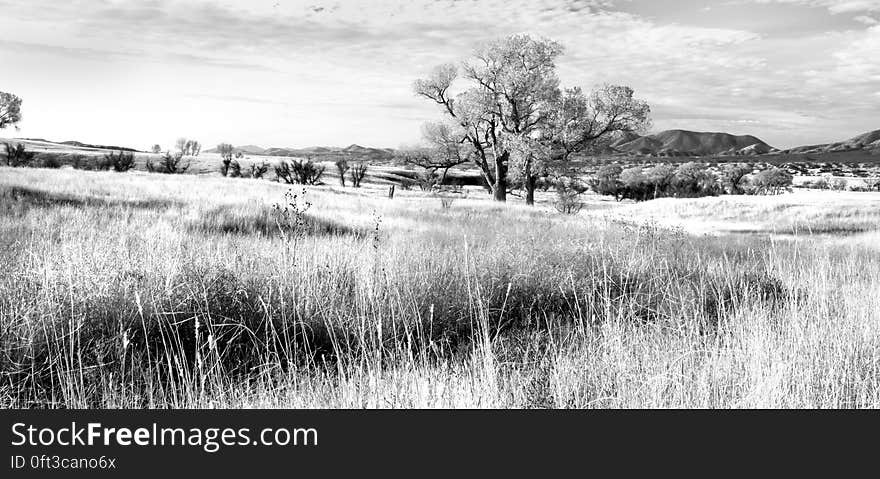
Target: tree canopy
[515, 121]
[10, 110]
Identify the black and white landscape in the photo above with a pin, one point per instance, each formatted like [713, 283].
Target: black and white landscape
[440, 204]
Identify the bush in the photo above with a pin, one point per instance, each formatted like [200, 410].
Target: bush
[258, 171]
[169, 163]
[120, 162]
[568, 191]
[635, 184]
[18, 155]
[660, 179]
[838, 184]
[607, 181]
[428, 179]
[231, 169]
[299, 172]
[51, 161]
[734, 177]
[771, 181]
[820, 184]
[693, 180]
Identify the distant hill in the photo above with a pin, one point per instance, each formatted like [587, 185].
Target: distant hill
[244, 149]
[869, 141]
[317, 152]
[693, 143]
[355, 151]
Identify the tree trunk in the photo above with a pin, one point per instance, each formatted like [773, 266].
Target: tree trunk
[499, 189]
[531, 184]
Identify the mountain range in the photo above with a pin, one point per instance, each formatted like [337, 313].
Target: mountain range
[673, 143]
[316, 151]
[669, 143]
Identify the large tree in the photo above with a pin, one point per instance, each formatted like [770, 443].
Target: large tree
[10, 109]
[578, 123]
[516, 120]
[511, 83]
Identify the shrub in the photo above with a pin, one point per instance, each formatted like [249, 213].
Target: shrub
[120, 162]
[693, 180]
[81, 162]
[635, 185]
[872, 184]
[771, 181]
[299, 172]
[446, 201]
[258, 171]
[169, 163]
[660, 179]
[820, 184]
[233, 169]
[428, 179]
[607, 181]
[226, 151]
[357, 174]
[568, 191]
[18, 155]
[838, 184]
[733, 177]
[51, 161]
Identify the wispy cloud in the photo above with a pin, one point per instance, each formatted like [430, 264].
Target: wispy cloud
[297, 66]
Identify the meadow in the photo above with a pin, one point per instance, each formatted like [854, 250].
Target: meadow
[195, 291]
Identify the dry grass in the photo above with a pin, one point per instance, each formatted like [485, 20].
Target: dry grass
[142, 290]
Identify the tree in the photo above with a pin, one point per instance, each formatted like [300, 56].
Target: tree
[514, 118]
[511, 82]
[17, 155]
[771, 181]
[580, 123]
[358, 172]
[693, 180]
[121, 161]
[635, 184]
[444, 151]
[299, 172]
[342, 167]
[733, 177]
[607, 181]
[660, 178]
[226, 152]
[10, 110]
[188, 147]
[169, 163]
[157, 148]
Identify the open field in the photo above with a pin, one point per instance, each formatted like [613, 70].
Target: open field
[147, 290]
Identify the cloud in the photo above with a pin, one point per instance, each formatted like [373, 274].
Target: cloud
[359, 59]
[833, 6]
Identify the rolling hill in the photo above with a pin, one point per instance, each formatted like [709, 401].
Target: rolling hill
[692, 143]
[869, 141]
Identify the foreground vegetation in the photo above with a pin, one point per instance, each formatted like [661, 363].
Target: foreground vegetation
[142, 290]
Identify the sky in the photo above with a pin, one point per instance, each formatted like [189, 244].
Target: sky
[306, 73]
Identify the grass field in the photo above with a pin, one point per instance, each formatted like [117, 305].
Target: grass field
[140, 290]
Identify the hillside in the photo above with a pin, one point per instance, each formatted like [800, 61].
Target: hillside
[692, 143]
[869, 141]
[243, 149]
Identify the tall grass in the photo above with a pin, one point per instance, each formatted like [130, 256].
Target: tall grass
[150, 291]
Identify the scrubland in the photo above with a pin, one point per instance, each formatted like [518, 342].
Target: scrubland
[139, 290]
